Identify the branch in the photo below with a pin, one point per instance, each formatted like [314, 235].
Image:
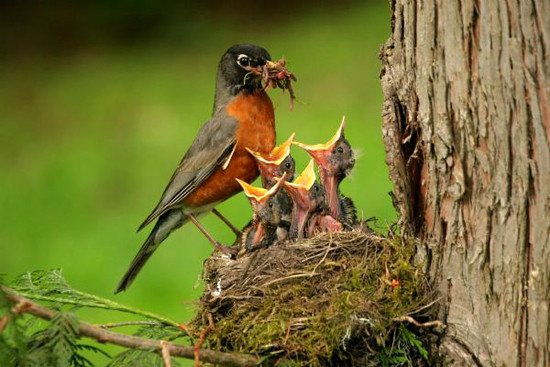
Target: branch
[112, 325]
[100, 303]
[411, 320]
[24, 305]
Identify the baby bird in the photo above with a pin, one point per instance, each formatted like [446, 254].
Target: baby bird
[308, 198]
[335, 160]
[262, 232]
[273, 165]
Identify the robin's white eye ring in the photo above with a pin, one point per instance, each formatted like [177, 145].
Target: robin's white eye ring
[243, 60]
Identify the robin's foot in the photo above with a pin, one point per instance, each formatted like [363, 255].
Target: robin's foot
[229, 251]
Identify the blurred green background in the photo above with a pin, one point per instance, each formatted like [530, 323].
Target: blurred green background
[99, 102]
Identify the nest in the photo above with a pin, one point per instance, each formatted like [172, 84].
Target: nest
[329, 300]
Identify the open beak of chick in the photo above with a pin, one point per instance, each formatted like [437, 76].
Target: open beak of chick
[258, 196]
[274, 164]
[321, 153]
[329, 162]
[305, 199]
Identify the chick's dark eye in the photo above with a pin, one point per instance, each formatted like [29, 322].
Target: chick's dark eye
[243, 60]
[340, 150]
[316, 188]
[287, 165]
[270, 204]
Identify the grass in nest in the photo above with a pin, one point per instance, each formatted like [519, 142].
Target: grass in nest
[328, 300]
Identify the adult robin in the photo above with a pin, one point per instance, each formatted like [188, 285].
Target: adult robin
[243, 117]
[308, 198]
[335, 160]
[267, 215]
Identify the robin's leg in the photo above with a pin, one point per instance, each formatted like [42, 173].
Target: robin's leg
[217, 245]
[235, 230]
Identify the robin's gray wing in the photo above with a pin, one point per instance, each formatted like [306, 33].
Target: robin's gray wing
[211, 149]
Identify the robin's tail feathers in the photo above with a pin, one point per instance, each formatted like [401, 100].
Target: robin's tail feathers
[164, 226]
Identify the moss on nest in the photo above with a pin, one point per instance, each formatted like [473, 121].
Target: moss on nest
[327, 300]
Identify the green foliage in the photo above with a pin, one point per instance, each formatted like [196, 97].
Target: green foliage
[29, 342]
[404, 348]
[139, 358]
[52, 287]
[57, 344]
[136, 358]
[13, 346]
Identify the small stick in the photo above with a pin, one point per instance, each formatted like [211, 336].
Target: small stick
[287, 335]
[165, 352]
[409, 319]
[112, 325]
[324, 257]
[3, 322]
[426, 306]
[204, 331]
[300, 275]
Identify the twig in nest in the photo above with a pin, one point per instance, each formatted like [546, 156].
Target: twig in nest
[3, 322]
[204, 331]
[329, 246]
[165, 352]
[185, 328]
[411, 320]
[301, 275]
[287, 334]
[426, 306]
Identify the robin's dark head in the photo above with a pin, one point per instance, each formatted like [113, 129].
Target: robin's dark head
[241, 67]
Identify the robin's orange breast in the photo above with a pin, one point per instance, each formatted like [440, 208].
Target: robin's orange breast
[255, 130]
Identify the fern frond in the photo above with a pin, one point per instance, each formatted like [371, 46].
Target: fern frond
[51, 286]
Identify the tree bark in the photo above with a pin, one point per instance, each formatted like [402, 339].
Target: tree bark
[467, 130]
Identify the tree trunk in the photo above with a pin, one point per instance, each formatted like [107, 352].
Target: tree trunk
[467, 129]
